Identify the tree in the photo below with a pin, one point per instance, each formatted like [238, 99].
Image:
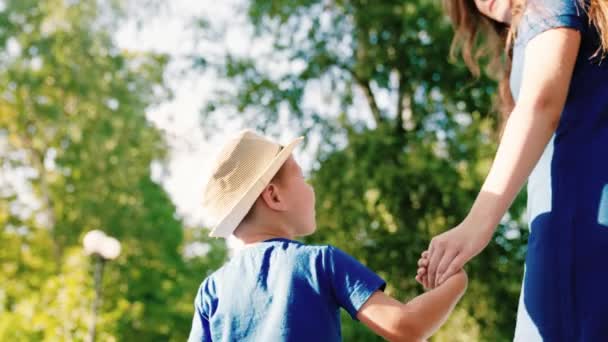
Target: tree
[76, 151]
[406, 137]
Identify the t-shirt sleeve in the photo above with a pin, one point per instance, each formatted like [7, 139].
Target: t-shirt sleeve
[542, 15]
[200, 321]
[352, 283]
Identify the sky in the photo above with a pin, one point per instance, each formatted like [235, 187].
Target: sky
[171, 32]
[191, 153]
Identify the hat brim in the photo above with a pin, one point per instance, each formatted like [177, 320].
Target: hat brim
[233, 218]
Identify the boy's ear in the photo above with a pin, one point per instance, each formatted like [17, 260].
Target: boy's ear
[273, 198]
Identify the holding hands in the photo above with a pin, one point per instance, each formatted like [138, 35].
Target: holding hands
[448, 252]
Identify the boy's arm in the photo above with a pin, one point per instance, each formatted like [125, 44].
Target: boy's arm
[417, 319]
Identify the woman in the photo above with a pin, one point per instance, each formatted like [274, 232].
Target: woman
[555, 91]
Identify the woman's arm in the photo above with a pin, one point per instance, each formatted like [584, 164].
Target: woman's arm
[548, 65]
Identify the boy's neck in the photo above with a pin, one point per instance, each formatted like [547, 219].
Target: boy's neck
[248, 235]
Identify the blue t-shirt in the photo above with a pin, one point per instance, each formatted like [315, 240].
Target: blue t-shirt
[281, 290]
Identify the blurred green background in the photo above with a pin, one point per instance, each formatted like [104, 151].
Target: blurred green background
[399, 140]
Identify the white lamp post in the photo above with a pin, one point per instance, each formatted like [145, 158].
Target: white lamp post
[102, 248]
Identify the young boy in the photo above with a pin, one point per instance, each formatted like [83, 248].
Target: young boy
[278, 289]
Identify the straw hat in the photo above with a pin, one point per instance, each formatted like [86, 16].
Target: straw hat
[245, 166]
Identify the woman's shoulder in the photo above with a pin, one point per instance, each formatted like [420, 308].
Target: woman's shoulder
[542, 15]
[547, 8]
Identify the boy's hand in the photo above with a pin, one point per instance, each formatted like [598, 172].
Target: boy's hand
[421, 275]
[419, 318]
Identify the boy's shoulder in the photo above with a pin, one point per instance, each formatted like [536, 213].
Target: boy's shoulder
[325, 268]
[294, 249]
[284, 247]
[323, 257]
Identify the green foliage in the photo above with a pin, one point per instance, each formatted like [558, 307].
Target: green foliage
[389, 174]
[393, 173]
[73, 128]
[382, 202]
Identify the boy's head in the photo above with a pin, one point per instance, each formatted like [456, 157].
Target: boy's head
[257, 188]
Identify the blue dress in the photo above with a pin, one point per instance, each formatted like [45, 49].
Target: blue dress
[565, 288]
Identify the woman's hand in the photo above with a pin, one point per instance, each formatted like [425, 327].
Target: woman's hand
[449, 251]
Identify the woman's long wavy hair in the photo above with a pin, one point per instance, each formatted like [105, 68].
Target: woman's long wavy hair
[480, 39]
